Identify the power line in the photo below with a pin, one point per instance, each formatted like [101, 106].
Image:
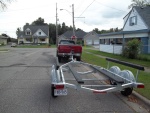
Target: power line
[87, 7]
[109, 6]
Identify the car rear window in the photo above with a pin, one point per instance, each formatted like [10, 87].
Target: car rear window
[66, 42]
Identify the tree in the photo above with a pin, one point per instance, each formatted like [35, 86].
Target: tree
[18, 31]
[96, 30]
[3, 3]
[116, 29]
[141, 3]
[52, 33]
[39, 21]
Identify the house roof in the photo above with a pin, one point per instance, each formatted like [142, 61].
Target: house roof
[79, 34]
[34, 28]
[144, 12]
[125, 32]
[3, 37]
[91, 32]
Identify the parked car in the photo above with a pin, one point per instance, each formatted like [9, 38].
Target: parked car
[68, 47]
[13, 45]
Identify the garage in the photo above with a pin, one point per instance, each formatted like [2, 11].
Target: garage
[89, 42]
[96, 42]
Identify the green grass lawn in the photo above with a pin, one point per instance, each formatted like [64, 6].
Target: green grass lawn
[145, 63]
[143, 77]
[36, 46]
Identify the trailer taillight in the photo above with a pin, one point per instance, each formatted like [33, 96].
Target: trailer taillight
[140, 86]
[100, 92]
[60, 86]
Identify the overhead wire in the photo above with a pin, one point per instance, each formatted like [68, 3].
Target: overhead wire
[87, 7]
[109, 6]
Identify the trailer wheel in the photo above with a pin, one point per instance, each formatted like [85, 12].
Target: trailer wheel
[127, 91]
[52, 91]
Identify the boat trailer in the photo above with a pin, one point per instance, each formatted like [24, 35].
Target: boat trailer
[79, 75]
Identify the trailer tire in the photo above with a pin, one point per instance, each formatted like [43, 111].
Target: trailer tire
[52, 91]
[127, 91]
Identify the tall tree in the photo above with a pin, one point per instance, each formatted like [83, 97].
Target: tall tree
[3, 3]
[64, 28]
[96, 30]
[39, 21]
[18, 31]
[141, 3]
[52, 33]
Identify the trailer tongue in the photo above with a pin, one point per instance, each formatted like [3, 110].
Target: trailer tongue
[83, 76]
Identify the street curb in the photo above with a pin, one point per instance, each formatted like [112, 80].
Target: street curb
[143, 99]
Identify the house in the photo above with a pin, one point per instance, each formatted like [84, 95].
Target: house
[68, 35]
[33, 34]
[136, 25]
[3, 40]
[91, 38]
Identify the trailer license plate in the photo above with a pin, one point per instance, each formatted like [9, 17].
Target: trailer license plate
[59, 92]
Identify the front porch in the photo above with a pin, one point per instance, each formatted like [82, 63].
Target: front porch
[34, 40]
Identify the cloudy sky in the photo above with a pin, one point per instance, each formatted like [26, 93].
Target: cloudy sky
[101, 14]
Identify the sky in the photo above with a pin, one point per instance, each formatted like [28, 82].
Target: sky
[89, 14]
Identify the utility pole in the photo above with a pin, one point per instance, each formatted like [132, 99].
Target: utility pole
[73, 19]
[56, 27]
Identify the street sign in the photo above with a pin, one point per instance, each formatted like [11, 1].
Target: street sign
[73, 37]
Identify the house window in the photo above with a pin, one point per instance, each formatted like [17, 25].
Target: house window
[119, 41]
[28, 33]
[39, 33]
[133, 20]
[102, 41]
[107, 41]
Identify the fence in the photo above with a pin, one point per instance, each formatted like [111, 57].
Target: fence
[117, 49]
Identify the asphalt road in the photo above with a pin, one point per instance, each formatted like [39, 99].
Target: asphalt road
[25, 88]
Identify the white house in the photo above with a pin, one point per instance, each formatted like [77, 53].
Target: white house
[3, 40]
[136, 25]
[33, 34]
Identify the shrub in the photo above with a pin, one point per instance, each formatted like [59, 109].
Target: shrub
[132, 49]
